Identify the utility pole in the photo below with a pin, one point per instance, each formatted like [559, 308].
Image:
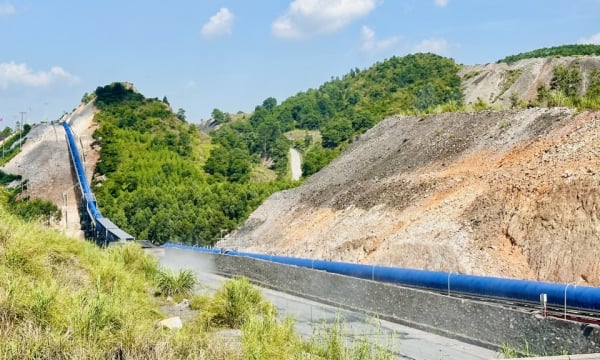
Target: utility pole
[21, 132]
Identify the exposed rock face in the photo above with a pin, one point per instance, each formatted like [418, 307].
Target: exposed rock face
[507, 193]
[494, 83]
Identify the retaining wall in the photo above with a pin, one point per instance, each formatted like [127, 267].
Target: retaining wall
[471, 321]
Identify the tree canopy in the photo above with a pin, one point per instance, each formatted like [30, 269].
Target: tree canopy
[340, 109]
[563, 50]
[157, 183]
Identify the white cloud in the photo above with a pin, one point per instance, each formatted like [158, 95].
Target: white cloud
[305, 18]
[369, 43]
[440, 3]
[7, 8]
[594, 39]
[219, 24]
[21, 74]
[436, 46]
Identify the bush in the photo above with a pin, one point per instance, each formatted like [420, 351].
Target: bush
[236, 302]
[480, 105]
[266, 338]
[170, 283]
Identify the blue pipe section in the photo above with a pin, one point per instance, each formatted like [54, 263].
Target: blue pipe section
[579, 297]
[86, 192]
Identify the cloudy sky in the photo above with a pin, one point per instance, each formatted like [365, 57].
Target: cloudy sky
[231, 55]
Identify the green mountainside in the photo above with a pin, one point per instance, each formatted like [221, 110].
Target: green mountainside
[160, 179]
[151, 180]
[341, 109]
[563, 50]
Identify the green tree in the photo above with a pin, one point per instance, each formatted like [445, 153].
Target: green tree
[269, 103]
[566, 80]
[316, 158]
[336, 132]
[220, 117]
[6, 132]
[181, 114]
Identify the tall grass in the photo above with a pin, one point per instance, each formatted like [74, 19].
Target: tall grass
[234, 304]
[180, 283]
[264, 337]
[333, 342]
[62, 298]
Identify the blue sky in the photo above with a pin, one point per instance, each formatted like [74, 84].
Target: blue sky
[231, 55]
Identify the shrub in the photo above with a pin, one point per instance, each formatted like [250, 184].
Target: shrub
[234, 303]
[170, 283]
[266, 338]
[480, 105]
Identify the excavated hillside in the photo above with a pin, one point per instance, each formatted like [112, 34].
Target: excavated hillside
[495, 83]
[504, 193]
[44, 162]
[507, 193]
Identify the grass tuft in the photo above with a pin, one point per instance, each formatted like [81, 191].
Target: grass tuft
[235, 302]
[171, 284]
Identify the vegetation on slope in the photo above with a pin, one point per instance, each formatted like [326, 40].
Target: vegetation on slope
[566, 89]
[62, 298]
[164, 182]
[10, 142]
[153, 168]
[340, 109]
[563, 50]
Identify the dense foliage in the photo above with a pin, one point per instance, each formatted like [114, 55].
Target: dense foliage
[563, 50]
[155, 186]
[342, 108]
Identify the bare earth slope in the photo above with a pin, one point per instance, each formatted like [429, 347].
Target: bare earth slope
[44, 161]
[494, 83]
[509, 193]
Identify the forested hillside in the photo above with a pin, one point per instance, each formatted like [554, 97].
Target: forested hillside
[150, 179]
[563, 50]
[340, 109]
[162, 179]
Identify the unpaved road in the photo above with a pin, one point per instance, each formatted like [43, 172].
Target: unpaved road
[296, 164]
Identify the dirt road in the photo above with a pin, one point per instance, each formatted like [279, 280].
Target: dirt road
[295, 163]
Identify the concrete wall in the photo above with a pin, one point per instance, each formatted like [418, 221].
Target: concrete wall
[468, 320]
